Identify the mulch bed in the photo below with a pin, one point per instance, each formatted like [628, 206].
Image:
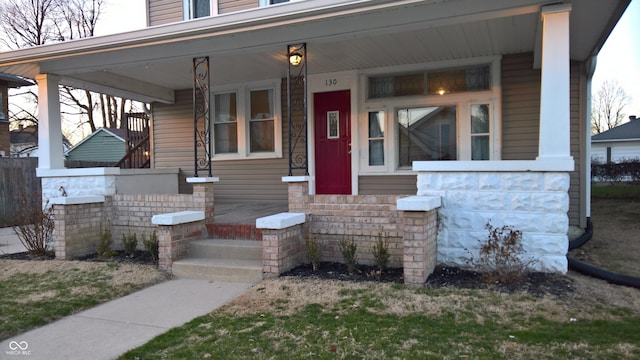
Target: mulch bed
[536, 284]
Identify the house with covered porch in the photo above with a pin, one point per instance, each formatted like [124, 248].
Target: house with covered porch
[418, 121]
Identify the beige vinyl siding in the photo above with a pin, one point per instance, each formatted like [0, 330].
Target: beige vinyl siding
[577, 206]
[227, 6]
[520, 107]
[521, 118]
[388, 185]
[165, 11]
[244, 180]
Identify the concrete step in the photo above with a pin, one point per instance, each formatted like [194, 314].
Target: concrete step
[230, 270]
[226, 249]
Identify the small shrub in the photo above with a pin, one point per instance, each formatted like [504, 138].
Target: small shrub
[312, 248]
[151, 245]
[380, 252]
[35, 231]
[130, 244]
[349, 249]
[502, 256]
[103, 249]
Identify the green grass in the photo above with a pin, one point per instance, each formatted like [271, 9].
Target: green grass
[345, 331]
[615, 191]
[30, 300]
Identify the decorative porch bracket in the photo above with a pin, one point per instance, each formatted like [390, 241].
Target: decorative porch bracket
[297, 108]
[201, 115]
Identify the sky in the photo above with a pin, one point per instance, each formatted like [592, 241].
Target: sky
[618, 60]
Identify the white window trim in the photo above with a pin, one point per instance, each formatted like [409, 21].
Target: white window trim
[462, 101]
[243, 112]
[187, 6]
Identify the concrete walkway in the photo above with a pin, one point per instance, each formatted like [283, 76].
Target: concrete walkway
[109, 330]
[9, 242]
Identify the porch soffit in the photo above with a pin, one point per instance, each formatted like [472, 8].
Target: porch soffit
[149, 64]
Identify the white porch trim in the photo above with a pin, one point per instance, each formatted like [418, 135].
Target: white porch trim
[554, 141]
[51, 151]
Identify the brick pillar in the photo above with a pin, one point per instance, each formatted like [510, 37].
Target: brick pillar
[298, 192]
[173, 242]
[203, 197]
[78, 223]
[281, 250]
[419, 256]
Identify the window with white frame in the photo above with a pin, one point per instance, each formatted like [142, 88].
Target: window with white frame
[246, 122]
[272, 2]
[194, 9]
[428, 116]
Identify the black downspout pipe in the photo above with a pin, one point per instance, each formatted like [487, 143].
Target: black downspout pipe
[590, 270]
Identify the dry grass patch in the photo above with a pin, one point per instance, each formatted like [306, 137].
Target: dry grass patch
[33, 293]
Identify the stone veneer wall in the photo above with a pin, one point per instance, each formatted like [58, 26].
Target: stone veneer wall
[78, 226]
[77, 229]
[103, 185]
[534, 202]
[360, 217]
[132, 213]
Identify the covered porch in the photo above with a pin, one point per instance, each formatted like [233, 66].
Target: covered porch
[345, 44]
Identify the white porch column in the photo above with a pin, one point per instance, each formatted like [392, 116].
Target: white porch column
[50, 149]
[554, 139]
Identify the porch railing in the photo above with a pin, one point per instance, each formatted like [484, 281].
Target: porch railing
[137, 142]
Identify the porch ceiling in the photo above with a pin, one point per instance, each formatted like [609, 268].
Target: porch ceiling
[149, 64]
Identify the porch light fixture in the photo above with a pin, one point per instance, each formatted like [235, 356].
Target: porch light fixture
[442, 91]
[295, 58]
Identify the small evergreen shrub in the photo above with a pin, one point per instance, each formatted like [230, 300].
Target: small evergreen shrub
[151, 245]
[130, 244]
[381, 253]
[349, 249]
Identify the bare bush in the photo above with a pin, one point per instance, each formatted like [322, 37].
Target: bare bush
[35, 231]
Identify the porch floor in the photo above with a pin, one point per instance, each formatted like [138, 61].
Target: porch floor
[245, 213]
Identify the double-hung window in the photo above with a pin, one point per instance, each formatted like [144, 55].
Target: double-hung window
[246, 122]
[428, 116]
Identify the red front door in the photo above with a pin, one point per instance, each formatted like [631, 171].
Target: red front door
[332, 123]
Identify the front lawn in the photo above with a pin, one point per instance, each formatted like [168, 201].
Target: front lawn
[37, 292]
[292, 318]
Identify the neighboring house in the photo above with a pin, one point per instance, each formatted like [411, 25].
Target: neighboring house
[7, 82]
[103, 145]
[340, 108]
[617, 144]
[24, 141]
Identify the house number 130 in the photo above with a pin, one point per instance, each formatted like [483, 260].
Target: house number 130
[331, 82]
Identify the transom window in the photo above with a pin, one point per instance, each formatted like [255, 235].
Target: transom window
[246, 122]
[438, 82]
